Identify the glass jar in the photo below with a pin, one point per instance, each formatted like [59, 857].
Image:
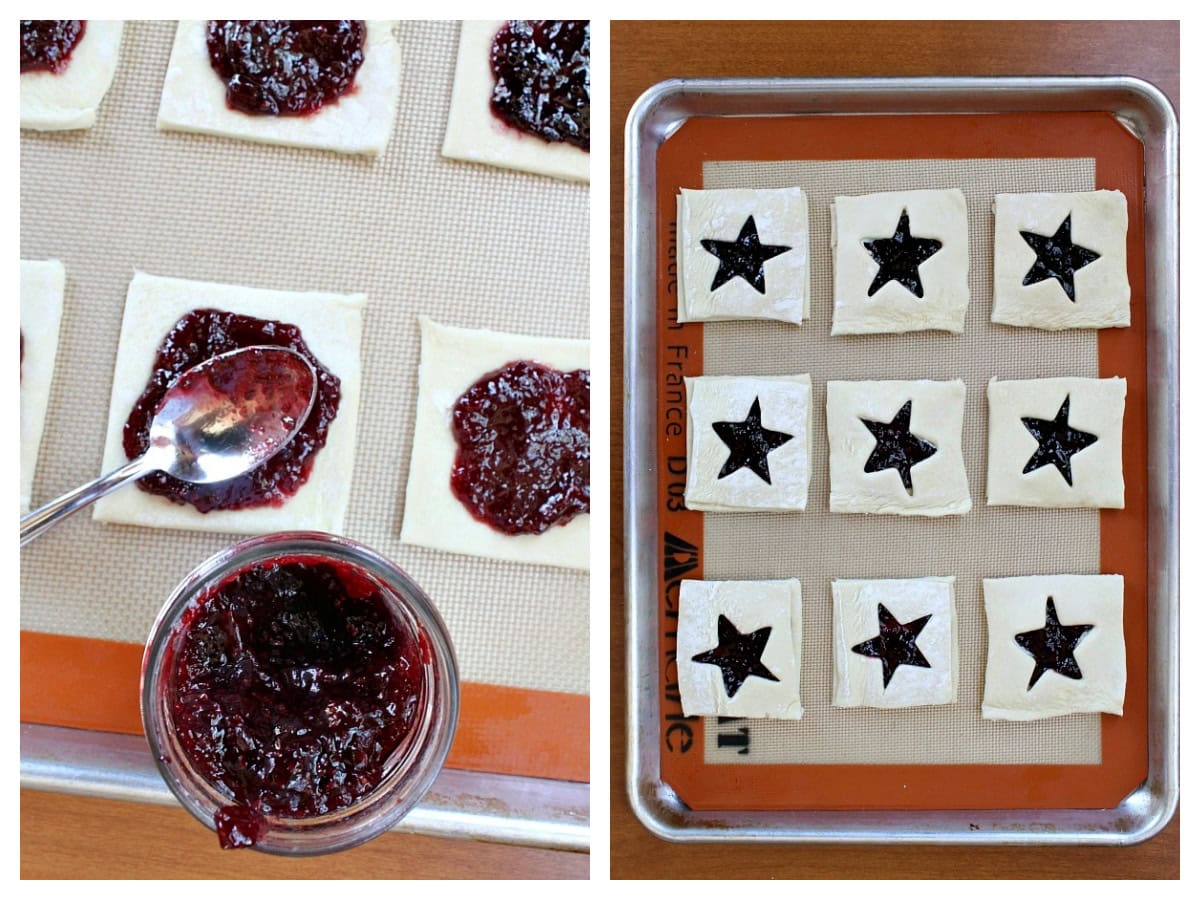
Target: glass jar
[409, 770]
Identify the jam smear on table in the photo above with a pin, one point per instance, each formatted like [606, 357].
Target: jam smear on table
[46, 44]
[285, 67]
[524, 451]
[199, 336]
[543, 79]
[294, 685]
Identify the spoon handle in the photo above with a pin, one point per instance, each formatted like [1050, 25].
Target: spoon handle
[41, 520]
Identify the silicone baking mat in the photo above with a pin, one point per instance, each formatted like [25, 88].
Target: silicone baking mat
[465, 244]
[930, 757]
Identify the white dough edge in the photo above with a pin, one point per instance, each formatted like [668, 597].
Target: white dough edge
[1100, 222]
[905, 692]
[474, 134]
[851, 492]
[69, 100]
[1008, 667]
[330, 324]
[452, 360]
[1097, 406]
[736, 300]
[43, 283]
[749, 605]
[361, 122]
[944, 276]
[691, 484]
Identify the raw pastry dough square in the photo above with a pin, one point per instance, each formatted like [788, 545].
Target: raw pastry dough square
[748, 606]
[473, 133]
[1097, 407]
[937, 214]
[1017, 605]
[453, 359]
[193, 99]
[331, 325]
[858, 679]
[939, 482]
[781, 220]
[42, 286]
[69, 100]
[785, 405]
[1099, 220]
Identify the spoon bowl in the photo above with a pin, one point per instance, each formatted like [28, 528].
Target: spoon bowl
[231, 413]
[218, 420]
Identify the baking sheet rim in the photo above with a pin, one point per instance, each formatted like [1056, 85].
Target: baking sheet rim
[1149, 115]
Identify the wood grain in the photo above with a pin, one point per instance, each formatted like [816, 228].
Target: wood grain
[64, 836]
[644, 53]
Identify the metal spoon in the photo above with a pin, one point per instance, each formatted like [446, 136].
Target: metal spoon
[218, 420]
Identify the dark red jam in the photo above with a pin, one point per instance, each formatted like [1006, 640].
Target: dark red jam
[46, 44]
[199, 336]
[524, 451]
[543, 79]
[294, 685]
[277, 67]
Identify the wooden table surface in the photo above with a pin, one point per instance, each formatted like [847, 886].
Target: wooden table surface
[81, 837]
[646, 53]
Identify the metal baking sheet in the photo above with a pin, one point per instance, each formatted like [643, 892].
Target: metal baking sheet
[659, 113]
[538, 812]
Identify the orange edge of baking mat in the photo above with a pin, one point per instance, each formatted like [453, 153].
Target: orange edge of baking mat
[1123, 533]
[93, 684]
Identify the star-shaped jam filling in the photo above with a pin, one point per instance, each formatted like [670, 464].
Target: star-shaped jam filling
[896, 644]
[896, 447]
[900, 257]
[1053, 647]
[1057, 258]
[743, 258]
[737, 655]
[1057, 442]
[749, 443]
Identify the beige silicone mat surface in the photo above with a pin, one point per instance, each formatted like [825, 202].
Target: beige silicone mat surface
[465, 244]
[818, 546]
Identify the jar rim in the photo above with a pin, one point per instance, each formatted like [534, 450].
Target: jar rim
[410, 776]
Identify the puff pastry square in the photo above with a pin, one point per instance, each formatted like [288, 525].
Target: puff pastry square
[922, 232]
[748, 443]
[750, 634]
[904, 631]
[360, 122]
[474, 134]
[42, 286]
[331, 325]
[1027, 617]
[1060, 260]
[1056, 442]
[744, 255]
[923, 419]
[69, 100]
[453, 359]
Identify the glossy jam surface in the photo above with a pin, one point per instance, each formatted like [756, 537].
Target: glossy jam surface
[543, 79]
[524, 452]
[197, 337]
[278, 67]
[896, 447]
[900, 257]
[294, 684]
[1058, 257]
[46, 44]
[1053, 647]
